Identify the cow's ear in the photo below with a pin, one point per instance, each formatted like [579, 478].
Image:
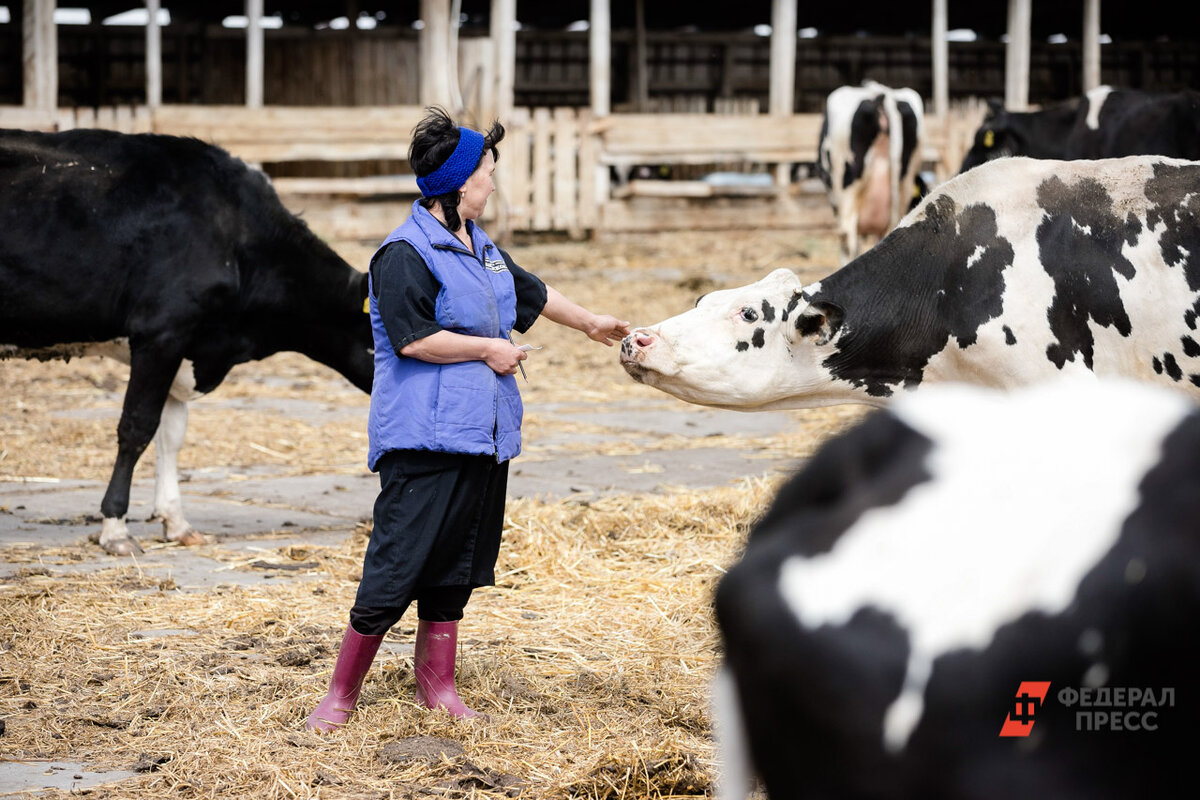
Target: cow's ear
[820, 319]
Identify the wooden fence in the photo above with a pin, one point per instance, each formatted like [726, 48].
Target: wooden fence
[561, 169]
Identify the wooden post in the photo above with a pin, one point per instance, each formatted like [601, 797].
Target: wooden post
[435, 55]
[452, 73]
[641, 67]
[941, 61]
[1016, 64]
[39, 42]
[254, 54]
[600, 74]
[782, 91]
[504, 44]
[153, 55]
[600, 57]
[1091, 44]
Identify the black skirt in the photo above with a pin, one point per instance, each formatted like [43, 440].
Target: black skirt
[438, 522]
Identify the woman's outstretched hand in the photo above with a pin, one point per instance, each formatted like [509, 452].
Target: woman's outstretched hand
[606, 329]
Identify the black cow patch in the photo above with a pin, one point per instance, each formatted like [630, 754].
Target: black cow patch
[768, 311]
[759, 337]
[1190, 348]
[1180, 222]
[952, 300]
[1079, 220]
[1009, 337]
[1172, 367]
[1158, 367]
[743, 347]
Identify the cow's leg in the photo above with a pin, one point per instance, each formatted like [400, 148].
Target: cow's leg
[847, 226]
[737, 772]
[150, 376]
[168, 504]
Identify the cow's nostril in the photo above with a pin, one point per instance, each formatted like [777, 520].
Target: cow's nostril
[644, 340]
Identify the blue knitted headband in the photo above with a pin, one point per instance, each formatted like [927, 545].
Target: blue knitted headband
[455, 170]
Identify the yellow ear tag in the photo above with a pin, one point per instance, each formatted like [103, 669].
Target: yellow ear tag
[366, 305]
[989, 138]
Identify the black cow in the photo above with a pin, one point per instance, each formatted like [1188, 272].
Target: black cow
[898, 612]
[170, 254]
[1104, 123]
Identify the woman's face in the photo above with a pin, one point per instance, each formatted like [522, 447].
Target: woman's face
[478, 188]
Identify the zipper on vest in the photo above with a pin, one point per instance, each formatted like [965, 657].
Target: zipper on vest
[455, 249]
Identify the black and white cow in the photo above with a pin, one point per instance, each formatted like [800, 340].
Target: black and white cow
[1104, 123]
[1016, 271]
[173, 256]
[869, 158]
[961, 548]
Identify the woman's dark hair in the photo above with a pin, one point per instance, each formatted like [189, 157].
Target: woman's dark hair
[433, 140]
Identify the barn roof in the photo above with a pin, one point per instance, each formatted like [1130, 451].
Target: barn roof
[1126, 20]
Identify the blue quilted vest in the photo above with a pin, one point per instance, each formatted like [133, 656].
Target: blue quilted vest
[454, 408]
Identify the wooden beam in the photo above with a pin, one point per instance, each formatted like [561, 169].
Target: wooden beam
[600, 83]
[501, 97]
[435, 55]
[153, 54]
[1091, 44]
[782, 92]
[641, 66]
[941, 60]
[1016, 64]
[254, 54]
[600, 57]
[39, 42]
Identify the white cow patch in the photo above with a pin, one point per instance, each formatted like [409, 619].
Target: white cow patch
[1096, 98]
[908, 559]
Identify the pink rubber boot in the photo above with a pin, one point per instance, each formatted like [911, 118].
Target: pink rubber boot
[437, 646]
[353, 661]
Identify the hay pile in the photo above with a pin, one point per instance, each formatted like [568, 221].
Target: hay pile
[592, 656]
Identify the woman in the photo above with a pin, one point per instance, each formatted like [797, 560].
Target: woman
[445, 412]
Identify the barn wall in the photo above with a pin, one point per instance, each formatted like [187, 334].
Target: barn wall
[102, 66]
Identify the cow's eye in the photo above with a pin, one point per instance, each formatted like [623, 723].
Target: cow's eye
[749, 314]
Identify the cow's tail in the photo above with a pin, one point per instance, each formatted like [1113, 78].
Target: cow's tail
[736, 773]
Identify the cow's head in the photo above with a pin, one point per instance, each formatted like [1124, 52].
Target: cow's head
[995, 138]
[752, 348]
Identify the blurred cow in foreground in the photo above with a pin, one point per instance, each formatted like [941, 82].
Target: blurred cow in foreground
[975, 595]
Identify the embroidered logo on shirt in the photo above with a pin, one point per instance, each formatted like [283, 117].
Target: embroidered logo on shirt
[495, 265]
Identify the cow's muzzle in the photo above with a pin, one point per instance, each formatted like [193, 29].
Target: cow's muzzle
[636, 345]
[635, 348]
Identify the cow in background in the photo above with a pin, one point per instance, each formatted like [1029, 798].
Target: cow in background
[171, 255]
[943, 558]
[869, 157]
[1104, 123]
[1014, 272]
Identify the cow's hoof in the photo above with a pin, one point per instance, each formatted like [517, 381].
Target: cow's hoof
[123, 547]
[190, 538]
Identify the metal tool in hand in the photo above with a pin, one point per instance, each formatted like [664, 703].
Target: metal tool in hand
[526, 348]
